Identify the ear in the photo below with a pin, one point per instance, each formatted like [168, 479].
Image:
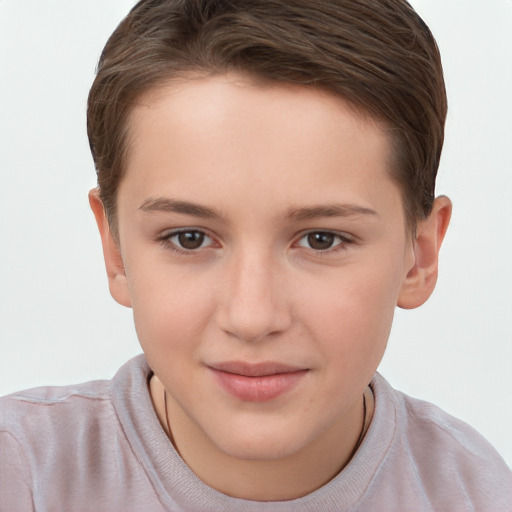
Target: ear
[422, 277]
[117, 282]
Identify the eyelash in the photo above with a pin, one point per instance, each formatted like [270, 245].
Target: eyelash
[166, 241]
[343, 241]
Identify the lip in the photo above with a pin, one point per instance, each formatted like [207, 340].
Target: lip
[256, 382]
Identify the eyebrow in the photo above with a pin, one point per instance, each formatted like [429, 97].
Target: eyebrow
[162, 204]
[184, 207]
[330, 210]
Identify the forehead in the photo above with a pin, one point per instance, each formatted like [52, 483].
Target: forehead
[274, 143]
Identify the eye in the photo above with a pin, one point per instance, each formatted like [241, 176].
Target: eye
[189, 240]
[322, 240]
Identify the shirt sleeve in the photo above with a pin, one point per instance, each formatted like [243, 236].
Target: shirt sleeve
[15, 481]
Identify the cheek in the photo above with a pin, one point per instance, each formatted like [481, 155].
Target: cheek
[169, 309]
[350, 314]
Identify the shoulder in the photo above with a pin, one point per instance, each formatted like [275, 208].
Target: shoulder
[72, 447]
[55, 410]
[447, 458]
[42, 432]
[44, 403]
[434, 432]
[35, 418]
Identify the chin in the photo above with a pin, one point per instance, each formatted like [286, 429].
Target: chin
[261, 444]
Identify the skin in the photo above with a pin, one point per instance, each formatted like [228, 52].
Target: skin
[269, 171]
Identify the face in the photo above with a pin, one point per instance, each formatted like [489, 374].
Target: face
[264, 248]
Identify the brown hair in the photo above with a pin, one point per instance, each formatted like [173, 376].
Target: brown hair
[377, 54]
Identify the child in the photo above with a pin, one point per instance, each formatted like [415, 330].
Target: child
[266, 178]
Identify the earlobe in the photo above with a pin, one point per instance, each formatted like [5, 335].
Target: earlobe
[118, 284]
[421, 278]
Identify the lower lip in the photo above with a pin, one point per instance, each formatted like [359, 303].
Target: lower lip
[258, 389]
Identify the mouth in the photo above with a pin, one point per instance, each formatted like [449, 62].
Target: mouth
[257, 382]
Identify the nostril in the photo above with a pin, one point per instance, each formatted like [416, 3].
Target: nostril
[252, 321]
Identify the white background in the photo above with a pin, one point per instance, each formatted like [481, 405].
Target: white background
[58, 324]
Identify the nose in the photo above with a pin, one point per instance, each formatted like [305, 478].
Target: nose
[254, 302]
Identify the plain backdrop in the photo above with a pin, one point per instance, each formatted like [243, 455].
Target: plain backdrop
[58, 323]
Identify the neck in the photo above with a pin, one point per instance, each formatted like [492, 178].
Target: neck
[278, 479]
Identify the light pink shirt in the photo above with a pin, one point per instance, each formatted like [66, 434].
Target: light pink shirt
[99, 446]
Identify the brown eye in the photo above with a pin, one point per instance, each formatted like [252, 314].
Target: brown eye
[189, 240]
[321, 241]
[324, 241]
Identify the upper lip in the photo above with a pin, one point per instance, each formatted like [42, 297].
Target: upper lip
[255, 369]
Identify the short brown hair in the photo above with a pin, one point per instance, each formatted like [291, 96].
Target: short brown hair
[377, 54]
